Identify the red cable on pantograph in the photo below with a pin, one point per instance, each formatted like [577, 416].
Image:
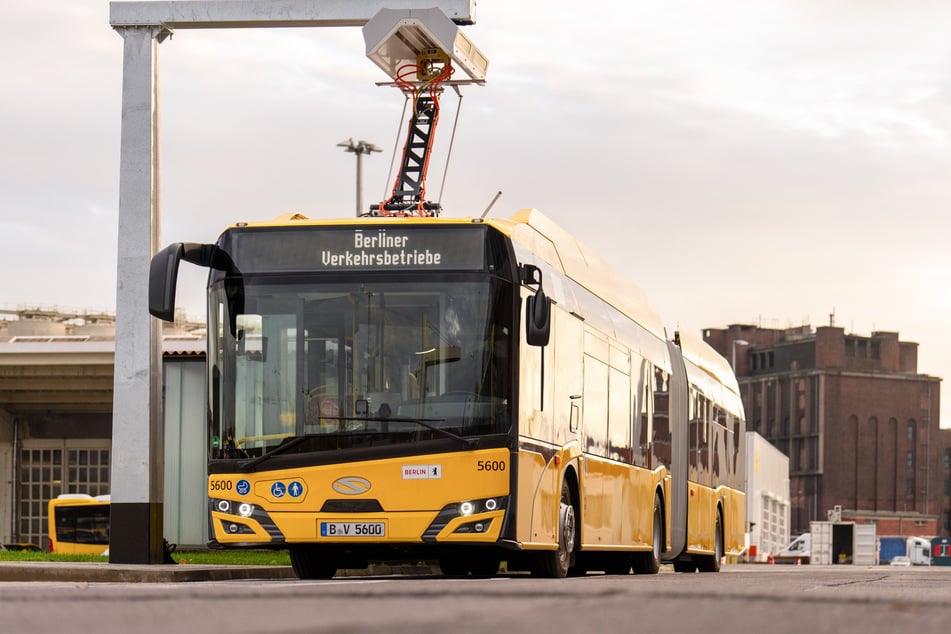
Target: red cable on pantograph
[416, 90]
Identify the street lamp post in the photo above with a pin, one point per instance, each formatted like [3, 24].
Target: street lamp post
[359, 149]
[742, 342]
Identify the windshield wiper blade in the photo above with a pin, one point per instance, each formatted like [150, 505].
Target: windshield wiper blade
[425, 422]
[422, 422]
[472, 443]
[290, 444]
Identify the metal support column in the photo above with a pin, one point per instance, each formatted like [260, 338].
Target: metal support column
[138, 424]
[137, 428]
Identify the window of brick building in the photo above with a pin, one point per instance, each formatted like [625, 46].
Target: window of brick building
[947, 458]
[910, 487]
[911, 432]
[910, 457]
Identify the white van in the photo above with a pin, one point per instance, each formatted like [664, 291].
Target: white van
[799, 550]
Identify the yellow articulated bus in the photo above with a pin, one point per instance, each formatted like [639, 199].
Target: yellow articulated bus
[464, 390]
[78, 524]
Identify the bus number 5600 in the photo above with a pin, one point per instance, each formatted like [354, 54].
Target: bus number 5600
[490, 465]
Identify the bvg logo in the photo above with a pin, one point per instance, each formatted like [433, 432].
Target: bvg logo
[351, 485]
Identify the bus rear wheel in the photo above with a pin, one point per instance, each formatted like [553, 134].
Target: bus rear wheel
[311, 563]
[685, 565]
[649, 563]
[711, 563]
[555, 563]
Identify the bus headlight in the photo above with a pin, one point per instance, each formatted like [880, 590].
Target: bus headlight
[466, 508]
[491, 504]
[224, 506]
[245, 509]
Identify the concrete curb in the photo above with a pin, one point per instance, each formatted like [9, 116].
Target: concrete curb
[94, 572]
[131, 573]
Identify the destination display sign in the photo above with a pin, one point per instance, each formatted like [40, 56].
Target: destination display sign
[361, 248]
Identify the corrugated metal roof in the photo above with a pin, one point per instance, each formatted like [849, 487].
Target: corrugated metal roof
[171, 346]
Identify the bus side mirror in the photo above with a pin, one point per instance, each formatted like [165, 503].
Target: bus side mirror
[163, 273]
[537, 308]
[530, 274]
[163, 279]
[538, 319]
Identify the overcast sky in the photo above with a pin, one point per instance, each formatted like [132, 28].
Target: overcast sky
[767, 162]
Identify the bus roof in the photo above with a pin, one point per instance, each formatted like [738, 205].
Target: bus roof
[83, 497]
[702, 355]
[588, 269]
[526, 226]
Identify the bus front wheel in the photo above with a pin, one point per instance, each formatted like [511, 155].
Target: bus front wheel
[310, 563]
[555, 563]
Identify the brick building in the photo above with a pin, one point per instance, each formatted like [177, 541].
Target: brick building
[858, 421]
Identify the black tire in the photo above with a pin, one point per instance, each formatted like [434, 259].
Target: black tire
[481, 564]
[709, 563]
[485, 566]
[620, 564]
[649, 563]
[684, 565]
[453, 566]
[555, 564]
[309, 563]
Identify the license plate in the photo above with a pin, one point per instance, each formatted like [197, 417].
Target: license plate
[353, 529]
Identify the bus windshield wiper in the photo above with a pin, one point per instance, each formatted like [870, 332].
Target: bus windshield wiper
[290, 444]
[427, 423]
[423, 422]
[471, 443]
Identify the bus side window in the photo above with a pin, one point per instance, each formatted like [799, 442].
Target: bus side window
[642, 415]
[660, 421]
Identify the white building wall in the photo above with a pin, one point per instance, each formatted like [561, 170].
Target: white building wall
[6, 477]
[767, 497]
[185, 507]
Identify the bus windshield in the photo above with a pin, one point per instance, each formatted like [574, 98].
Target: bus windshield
[370, 362]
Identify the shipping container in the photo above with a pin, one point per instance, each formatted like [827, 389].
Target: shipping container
[843, 543]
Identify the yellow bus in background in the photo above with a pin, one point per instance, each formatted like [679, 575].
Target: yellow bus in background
[79, 524]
